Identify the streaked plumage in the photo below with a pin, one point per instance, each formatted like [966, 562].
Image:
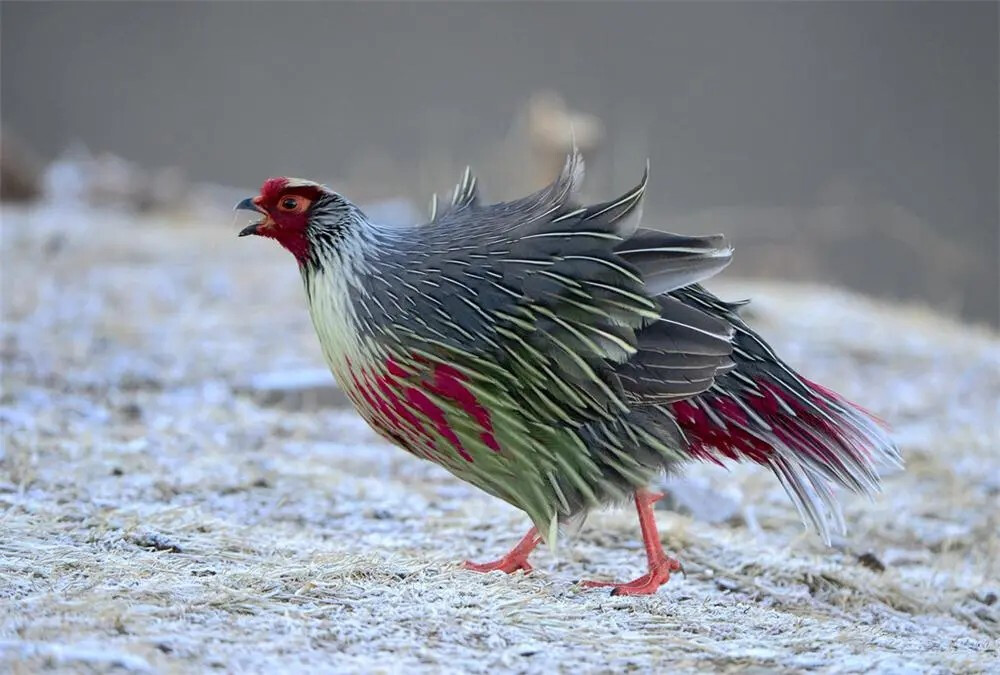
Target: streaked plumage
[557, 355]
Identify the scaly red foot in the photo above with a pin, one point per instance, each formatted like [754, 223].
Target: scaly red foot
[516, 560]
[647, 584]
[507, 565]
[660, 564]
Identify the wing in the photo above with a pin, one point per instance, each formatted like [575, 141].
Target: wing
[560, 305]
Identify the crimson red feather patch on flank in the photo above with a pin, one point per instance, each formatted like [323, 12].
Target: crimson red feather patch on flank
[448, 384]
[394, 398]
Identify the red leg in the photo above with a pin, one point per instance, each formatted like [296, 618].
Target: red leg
[517, 559]
[660, 564]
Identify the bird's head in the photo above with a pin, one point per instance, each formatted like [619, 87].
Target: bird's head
[294, 212]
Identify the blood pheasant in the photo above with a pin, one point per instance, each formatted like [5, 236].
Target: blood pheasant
[558, 356]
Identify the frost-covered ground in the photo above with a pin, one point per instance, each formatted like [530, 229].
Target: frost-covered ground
[157, 513]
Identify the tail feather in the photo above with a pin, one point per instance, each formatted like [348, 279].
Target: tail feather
[763, 411]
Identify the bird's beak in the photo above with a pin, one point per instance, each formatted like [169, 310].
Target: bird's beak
[249, 205]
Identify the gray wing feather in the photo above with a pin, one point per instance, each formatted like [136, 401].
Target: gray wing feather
[670, 261]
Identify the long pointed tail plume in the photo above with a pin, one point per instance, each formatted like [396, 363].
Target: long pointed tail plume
[764, 411]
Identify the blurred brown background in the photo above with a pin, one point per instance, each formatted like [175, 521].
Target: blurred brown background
[850, 143]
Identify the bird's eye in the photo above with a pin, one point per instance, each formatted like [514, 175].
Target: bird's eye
[289, 204]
